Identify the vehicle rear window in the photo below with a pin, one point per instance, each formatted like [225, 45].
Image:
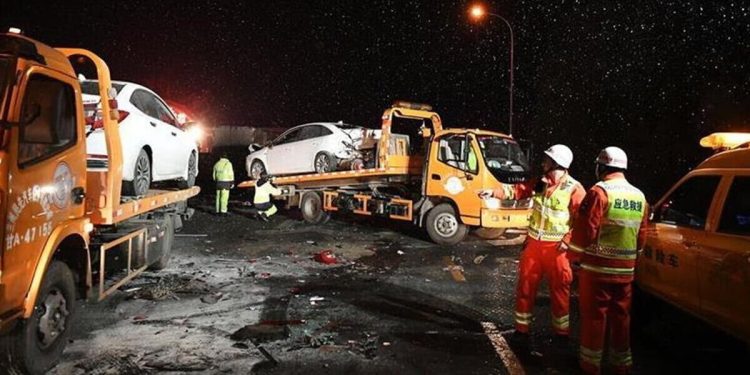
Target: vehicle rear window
[735, 217]
[688, 205]
[92, 87]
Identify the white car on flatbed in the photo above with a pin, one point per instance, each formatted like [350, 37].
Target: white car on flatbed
[154, 146]
[315, 147]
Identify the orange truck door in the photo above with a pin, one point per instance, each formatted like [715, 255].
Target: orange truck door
[670, 260]
[455, 174]
[724, 272]
[46, 169]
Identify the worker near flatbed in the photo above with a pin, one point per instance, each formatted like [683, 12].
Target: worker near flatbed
[556, 196]
[264, 189]
[224, 178]
[607, 235]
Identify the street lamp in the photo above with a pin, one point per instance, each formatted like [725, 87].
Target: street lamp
[478, 12]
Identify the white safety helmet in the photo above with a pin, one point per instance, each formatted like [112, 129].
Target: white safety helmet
[613, 157]
[561, 155]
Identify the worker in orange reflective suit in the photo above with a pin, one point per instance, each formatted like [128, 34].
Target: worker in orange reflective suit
[556, 197]
[607, 236]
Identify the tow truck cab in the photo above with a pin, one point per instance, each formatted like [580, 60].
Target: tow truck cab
[697, 254]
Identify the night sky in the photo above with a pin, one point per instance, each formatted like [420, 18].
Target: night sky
[649, 76]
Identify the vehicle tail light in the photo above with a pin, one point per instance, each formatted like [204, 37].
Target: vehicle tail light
[96, 121]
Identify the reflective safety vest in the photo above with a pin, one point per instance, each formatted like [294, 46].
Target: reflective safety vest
[616, 248]
[223, 170]
[550, 217]
[264, 192]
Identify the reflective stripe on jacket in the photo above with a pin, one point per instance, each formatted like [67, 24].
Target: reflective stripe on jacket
[550, 218]
[264, 192]
[223, 170]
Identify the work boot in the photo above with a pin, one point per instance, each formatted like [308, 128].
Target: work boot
[263, 217]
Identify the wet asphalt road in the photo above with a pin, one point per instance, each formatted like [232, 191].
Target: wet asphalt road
[394, 303]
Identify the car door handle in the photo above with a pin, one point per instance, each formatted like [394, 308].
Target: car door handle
[152, 123]
[435, 177]
[174, 134]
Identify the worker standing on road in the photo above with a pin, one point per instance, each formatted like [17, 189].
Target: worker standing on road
[607, 235]
[556, 196]
[264, 189]
[224, 177]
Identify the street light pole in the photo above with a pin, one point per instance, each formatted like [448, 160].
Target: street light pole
[478, 12]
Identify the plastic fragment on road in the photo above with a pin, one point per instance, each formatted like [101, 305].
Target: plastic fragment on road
[325, 257]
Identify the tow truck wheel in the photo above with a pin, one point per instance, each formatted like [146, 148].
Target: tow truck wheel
[141, 177]
[36, 344]
[165, 242]
[311, 206]
[325, 162]
[443, 225]
[489, 233]
[256, 169]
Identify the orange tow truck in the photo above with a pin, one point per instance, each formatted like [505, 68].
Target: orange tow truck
[428, 175]
[67, 232]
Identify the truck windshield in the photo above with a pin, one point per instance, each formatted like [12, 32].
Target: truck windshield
[6, 70]
[504, 158]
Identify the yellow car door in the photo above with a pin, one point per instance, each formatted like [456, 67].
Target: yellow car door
[724, 263]
[668, 265]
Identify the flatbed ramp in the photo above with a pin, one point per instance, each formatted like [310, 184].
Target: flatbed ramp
[131, 207]
[342, 178]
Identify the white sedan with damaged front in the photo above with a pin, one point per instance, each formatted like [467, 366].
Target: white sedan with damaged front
[315, 147]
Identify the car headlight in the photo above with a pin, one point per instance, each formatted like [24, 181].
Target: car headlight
[491, 203]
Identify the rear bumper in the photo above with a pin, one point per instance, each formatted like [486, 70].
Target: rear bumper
[505, 218]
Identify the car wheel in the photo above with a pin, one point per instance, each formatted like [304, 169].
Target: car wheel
[256, 169]
[325, 162]
[192, 173]
[36, 344]
[141, 177]
[443, 225]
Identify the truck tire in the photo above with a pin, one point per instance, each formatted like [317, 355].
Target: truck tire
[443, 225]
[35, 344]
[141, 177]
[311, 206]
[165, 243]
[192, 172]
[489, 233]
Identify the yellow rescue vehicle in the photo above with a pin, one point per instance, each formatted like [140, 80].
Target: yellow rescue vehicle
[433, 177]
[63, 224]
[697, 255]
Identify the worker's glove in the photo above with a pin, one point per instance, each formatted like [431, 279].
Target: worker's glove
[232, 187]
[562, 247]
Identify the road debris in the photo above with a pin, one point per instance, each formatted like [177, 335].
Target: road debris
[479, 259]
[325, 257]
[212, 298]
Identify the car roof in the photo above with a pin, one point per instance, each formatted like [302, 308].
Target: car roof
[737, 158]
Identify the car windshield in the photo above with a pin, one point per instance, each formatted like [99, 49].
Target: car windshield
[504, 158]
[6, 70]
[92, 87]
